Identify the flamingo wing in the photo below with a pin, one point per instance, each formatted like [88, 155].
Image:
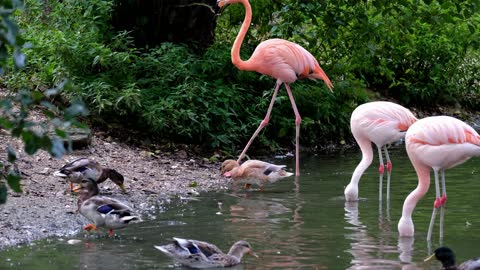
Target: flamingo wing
[286, 61]
[381, 122]
[442, 141]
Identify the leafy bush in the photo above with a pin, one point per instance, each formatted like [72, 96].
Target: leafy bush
[15, 109]
[421, 53]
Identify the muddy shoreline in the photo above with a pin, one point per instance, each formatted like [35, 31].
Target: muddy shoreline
[47, 207]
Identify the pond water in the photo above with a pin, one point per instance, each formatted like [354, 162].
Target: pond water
[298, 223]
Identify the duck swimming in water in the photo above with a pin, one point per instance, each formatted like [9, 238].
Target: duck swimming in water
[199, 254]
[254, 172]
[446, 256]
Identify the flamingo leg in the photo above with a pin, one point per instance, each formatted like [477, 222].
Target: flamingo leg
[263, 123]
[298, 121]
[381, 168]
[436, 205]
[389, 171]
[443, 200]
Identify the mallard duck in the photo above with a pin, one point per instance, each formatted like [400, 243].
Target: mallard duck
[81, 168]
[253, 172]
[101, 210]
[199, 254]
[446, 256]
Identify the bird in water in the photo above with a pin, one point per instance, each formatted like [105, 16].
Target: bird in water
[253, 172]
[278, 58]
[381, 123]
[103, 211]
[81, 168]
[199, 254]
[446, 256]
[438, 143]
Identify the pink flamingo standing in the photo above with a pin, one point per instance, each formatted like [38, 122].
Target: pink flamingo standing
[440, 143]
[280, 59]
[380, 122]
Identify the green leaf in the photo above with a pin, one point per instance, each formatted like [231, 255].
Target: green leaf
[471, 28]
[12, 155]
[58, 148]
[19, 59]
[5, 123]
[193, 184]
[61, 133]
[13, 180]
[3, 193]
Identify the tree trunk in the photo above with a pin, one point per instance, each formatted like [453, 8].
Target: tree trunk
[152, 22]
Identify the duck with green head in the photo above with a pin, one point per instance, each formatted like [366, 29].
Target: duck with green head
[446, 256]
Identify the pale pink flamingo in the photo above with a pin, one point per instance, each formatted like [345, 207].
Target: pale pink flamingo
[440, 143]
[381, 123]
[280, 59]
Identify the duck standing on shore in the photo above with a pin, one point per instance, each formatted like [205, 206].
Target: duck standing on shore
[82, 168]
[101, 210]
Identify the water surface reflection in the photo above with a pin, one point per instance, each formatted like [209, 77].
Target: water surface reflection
[298, 223]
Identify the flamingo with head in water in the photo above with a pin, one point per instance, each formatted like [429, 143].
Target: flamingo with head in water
[381, 123]
[438, 143]
[280, 59]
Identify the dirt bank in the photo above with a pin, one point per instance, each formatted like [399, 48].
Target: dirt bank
[47, 207]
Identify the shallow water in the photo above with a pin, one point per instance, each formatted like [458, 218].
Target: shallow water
[299, 223]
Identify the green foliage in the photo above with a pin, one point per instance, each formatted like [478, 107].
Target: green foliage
[15, 118]
[15, 109]
[419, 52]
[9, 35]
[409, 50]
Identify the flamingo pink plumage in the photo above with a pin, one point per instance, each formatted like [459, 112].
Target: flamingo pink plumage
[440, 143]
[380, 122]
[280, 59]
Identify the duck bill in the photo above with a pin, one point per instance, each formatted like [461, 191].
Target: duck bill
[429, 258]
[122, 188]
[253, 254]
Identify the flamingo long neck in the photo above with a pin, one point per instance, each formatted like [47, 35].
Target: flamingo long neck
[423, 173]
[367, 158]
[236, 60]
